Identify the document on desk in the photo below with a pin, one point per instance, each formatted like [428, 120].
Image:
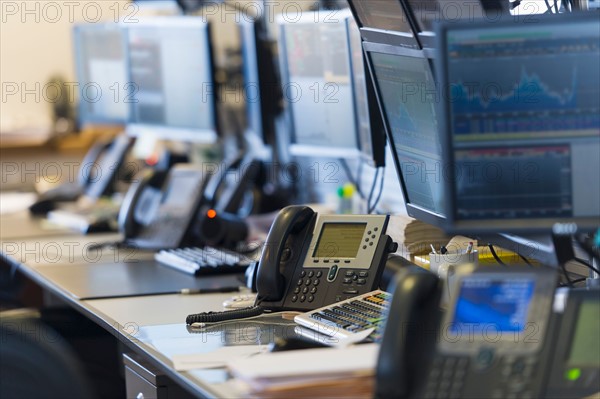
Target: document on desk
[325, 370]
[217, 358]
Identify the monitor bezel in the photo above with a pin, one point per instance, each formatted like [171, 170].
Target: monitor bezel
[413, 210]
[453, 224]
[170, 133]
[377, 137]
[85, 118]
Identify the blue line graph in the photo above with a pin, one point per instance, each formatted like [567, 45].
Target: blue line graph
[530, 93]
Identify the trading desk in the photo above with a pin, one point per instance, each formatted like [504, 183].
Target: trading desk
[132, 297]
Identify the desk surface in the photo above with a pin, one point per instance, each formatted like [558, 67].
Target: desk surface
[151, 325]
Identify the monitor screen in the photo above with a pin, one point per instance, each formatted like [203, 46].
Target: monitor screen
[101, 73]
[387, 16]
[317, 87]
[170, 64]
[429, 12]
[522, 123]
[407, 96]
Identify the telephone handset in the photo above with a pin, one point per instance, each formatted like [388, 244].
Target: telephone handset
[160, 207]
[412, 316]
[96, 177]
[311, 260]
[101, 165]
[493, 340]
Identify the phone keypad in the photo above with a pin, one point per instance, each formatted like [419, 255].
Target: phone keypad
[446, 377]
[306, 286]
[307, 283]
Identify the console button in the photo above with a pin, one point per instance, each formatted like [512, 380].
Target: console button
[485, 358]
[332, 273]
[311, 274]
[319, 274]
[294, 298]
[363, 274]
[351, 291]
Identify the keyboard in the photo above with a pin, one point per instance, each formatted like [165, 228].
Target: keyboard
[346, 318]
[203, 261]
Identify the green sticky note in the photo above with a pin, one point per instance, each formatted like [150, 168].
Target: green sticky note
[573, 374]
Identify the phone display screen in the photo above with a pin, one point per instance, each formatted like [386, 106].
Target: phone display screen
[180, 191]
[585, 351]
[492, 305]
[339, 240]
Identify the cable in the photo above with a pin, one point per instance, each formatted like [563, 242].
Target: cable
[527, 262]
[372, 207]
[495, 255]
[204, 327]
[351, 178]
[373, 187]
[587, 264]
[216, 317]
[566, 274]
[579, 280]
[549, 7]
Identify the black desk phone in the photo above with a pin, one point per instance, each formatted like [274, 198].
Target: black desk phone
[311, 260]
[101, 167]
[168, 209]
[160, 207]
[574, 371]
[492, 342]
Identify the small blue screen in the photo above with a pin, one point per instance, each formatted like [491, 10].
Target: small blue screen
[486, 304]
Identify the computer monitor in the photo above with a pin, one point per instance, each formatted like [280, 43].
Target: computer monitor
[384, 21]
[521, 123]
[262, 87]
[371, 132]
[426, 13]
[171, 66]
[316, 85]
[101, 73]
[406, 92]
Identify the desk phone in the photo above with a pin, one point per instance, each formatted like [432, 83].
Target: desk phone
[493, 340]
[312, 260]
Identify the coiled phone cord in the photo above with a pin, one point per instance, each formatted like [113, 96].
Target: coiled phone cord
[217, 317]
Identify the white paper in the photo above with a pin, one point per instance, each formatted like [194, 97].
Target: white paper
[218, 358]
[15, 202]
[307, 362]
